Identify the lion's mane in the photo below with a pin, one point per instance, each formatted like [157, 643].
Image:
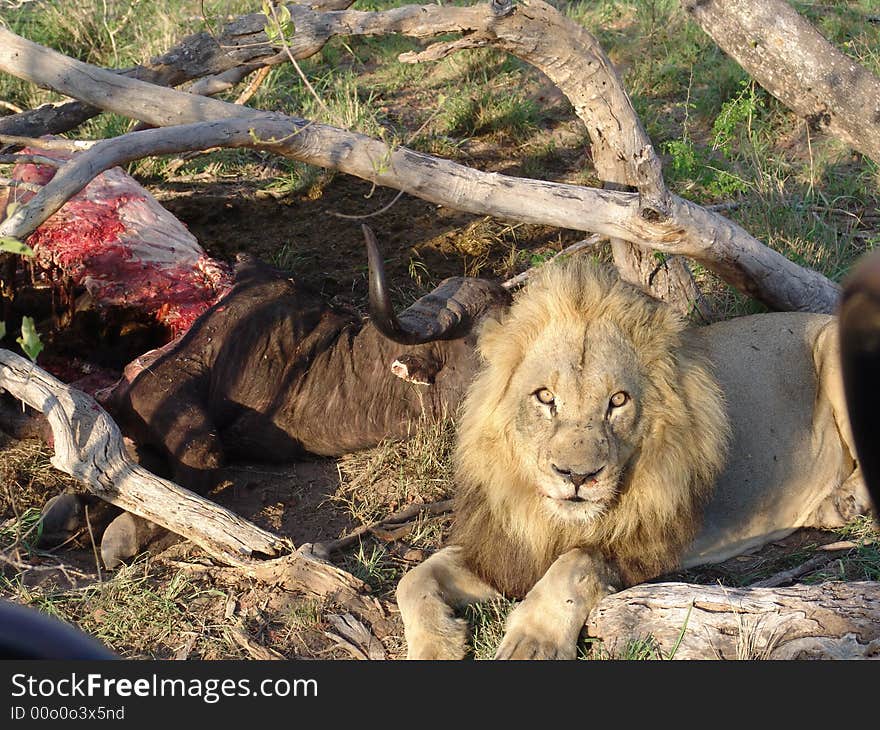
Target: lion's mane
[509, 540]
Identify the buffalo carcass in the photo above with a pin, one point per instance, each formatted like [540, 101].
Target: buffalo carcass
[272, 372]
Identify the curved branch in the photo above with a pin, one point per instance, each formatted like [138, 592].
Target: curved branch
[88, 446]
[688, 229]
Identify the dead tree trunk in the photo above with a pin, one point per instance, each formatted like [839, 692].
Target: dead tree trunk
[685, 621]
[784, 53]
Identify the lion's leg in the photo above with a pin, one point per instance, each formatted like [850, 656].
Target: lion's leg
[548, 622]
[427, 596]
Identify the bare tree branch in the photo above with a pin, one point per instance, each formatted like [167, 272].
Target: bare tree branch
[673, 225]
[742, 260]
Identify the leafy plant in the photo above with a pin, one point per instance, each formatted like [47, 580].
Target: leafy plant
[279, 25]
[30, 339]
[735, 113]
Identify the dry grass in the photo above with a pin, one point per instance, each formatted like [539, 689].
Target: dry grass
[143, 611]
[27, 478]
[376, 482]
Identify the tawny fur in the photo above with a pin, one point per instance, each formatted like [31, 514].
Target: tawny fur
[508, 537]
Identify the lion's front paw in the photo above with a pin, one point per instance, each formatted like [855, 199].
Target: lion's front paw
[447, 641]
[527, 637]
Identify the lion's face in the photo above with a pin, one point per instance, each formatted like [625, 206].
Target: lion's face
[578, 397]
[594, 420]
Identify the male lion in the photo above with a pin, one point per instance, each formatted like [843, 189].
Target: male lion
[591, 439]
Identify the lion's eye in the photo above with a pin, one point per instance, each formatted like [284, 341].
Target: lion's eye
[545, 396]
[619, 398]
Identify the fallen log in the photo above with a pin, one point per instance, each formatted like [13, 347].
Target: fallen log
[684, 621]
[89, 446]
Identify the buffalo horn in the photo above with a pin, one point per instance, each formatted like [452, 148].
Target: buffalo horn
[448, 311]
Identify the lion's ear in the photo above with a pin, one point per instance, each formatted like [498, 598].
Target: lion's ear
[491, 333]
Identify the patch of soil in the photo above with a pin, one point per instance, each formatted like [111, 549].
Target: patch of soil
[327, 251]
[289, 500]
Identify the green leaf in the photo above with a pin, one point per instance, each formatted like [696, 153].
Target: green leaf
[279, 25]
[30, 338]
[13, 245]
[2, 330]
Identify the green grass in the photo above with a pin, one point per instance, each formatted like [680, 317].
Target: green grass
[486, 621]
[373, 564]
[136, 613]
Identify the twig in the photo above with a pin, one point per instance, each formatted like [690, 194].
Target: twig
[253, 85]
[786, 576]
[729, 205]
[843, 545]
[414, 510]
[94, 545]
[8, 182]
[439, 51]
[368, 215]
[48, 143]
[590, 242]
[30, 159]
[9, 106]
[296, 66]
[251, 646]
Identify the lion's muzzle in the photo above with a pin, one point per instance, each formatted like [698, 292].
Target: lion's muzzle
[577, 479]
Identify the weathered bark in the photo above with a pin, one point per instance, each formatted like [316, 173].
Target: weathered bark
[784, 53]
[88, 446]
[826, 621]
[239, 49]
[685, 228]
[621, 149]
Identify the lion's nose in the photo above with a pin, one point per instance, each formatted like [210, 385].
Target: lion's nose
[576, 478]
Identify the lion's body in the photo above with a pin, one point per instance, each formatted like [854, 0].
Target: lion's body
[643, 470]
[791, 462]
